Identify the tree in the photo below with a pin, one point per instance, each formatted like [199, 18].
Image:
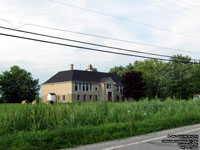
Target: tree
[134, 87]
[180, 82]
[153, 72]
[94, 69]
[17, 85]
[120, 71]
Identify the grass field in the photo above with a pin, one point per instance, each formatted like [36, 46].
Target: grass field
[68, 125]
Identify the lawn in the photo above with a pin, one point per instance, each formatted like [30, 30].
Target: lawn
[68, 125]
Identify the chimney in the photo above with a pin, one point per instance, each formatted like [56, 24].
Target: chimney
[89, 67]
[71, 67]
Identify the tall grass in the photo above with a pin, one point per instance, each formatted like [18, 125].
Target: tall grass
[17, 117]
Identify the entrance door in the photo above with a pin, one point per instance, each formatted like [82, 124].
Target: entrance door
[109, 96]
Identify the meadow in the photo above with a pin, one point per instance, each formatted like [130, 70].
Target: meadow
[68, 125]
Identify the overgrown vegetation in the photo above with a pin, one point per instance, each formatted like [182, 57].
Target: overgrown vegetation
[178, 78]
[69, 125]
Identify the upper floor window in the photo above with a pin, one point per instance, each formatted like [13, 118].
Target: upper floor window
[119, 88]
[90, 86]
[87, 87]
[82, 87]
[76, 86]
[109, 86]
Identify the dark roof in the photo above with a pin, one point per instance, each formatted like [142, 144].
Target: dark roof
[82, 76]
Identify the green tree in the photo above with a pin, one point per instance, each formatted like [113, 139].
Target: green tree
[153, 75]
[180, 82]
[195, 82]
[120, 71]
[17, 85]
[94, 69]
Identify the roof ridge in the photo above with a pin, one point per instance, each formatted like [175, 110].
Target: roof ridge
[82, 75]
[87, 71]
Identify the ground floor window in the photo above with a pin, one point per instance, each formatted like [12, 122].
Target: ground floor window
[78, 97]
[96, 97]
[90, 97]
[122, 98]
[118, 98]
[63, 97]
[58, 98]
[84, 97]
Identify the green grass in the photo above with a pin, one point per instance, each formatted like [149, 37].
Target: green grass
[69, 125]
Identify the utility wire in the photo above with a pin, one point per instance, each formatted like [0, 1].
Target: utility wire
[102, 37]
[172, 4]
[88, 43]
[168, 10]
[91, 49]
[190, 5]
[128, 20]
[7, 21]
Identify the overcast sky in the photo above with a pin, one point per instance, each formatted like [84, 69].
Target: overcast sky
[44, 60]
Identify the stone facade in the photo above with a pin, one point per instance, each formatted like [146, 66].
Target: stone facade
[75, 91]
[63, 91]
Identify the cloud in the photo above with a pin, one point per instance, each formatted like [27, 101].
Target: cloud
[44, 60]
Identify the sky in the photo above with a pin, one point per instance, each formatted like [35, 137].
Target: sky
[166, 23]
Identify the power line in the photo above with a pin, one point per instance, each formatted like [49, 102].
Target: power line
[90, 49]
[168, 10]
[99, 36]
[88, 43]
[188, 4]
[172, 4]
[128, 20]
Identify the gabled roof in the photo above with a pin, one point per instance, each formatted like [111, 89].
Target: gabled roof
[82, 76]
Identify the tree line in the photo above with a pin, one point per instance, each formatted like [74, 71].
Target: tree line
[179, 78]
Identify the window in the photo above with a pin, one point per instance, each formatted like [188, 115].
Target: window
[118, 98]
[58, 98]
[109, 86]
[96, 97]
[87, 88]
[83, 86]
[63, 97]
[90, 87]
[80, 86]
[96, 88]
[119, 88]
[84, 97]
[76, 86]
[78, 97]
[122, 98]
[90, 97]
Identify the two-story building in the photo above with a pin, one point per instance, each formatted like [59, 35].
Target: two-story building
[79, 86]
